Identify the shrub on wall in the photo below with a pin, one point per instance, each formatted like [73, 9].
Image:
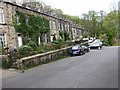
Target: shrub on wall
[64, 35]
[24, 51]
[32, 45]
[5, 64]
[2, 51]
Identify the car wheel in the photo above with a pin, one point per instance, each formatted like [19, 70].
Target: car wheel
[99, 48]
[81, 53]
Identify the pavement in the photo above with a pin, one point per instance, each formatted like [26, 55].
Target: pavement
[96, 69]
[8, 72]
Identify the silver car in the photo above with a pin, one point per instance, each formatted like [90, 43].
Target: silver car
[96, 44]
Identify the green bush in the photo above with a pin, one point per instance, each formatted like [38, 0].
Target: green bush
[104, 39]
[2, 50]
[24, 51]
[32, 45]
[60, 40]
[64, 45]
[49, 47]
[57, 46]
[38, 51]
[5, 64]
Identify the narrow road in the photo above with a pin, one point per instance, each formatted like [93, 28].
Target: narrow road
[96, 69]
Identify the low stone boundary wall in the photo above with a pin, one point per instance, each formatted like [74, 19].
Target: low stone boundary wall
[41, 58]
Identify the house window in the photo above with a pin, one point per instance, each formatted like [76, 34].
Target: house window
[59, 26]
[1, 16]
[27, 19]
[54, 25]
[74, 31]
[68, 27]
[3, 41]
[50, 24]
[17, 19]
[62, 25]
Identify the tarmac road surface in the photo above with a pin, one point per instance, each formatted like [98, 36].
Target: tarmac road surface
[96, 69]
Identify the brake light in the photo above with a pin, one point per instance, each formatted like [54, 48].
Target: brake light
[79, 49]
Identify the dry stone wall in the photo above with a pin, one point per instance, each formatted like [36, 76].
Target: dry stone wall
[40, 58]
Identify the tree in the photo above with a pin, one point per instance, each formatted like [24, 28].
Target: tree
[91, 23]
[42, 7]
[111, 25]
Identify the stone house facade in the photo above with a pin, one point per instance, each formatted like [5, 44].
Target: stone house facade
[10, 38]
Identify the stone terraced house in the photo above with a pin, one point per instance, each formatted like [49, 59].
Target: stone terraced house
[10, 38]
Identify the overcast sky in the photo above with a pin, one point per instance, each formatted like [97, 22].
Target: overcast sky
[77, 7]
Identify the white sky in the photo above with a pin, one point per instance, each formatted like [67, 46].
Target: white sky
[77, 7]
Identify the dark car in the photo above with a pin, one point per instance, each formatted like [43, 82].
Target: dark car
[77, 50]
[86, 48]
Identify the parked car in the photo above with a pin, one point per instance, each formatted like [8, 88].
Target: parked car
[86, 48]
[85, 39]
[77, 50]
[90, 41]
[96, 44]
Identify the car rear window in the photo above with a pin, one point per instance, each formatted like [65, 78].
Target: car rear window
[75, 47]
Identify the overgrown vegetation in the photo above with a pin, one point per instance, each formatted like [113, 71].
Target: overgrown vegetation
[30, 26]
[33, 45]
[64, 35]
[2, 51]
[5, 64]
[24, 51]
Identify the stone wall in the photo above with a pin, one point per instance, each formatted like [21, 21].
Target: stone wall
[11, 36]
[40, 58]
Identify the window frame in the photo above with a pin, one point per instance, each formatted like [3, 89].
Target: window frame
[3, 41]
[54, 25]
[2, 16]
